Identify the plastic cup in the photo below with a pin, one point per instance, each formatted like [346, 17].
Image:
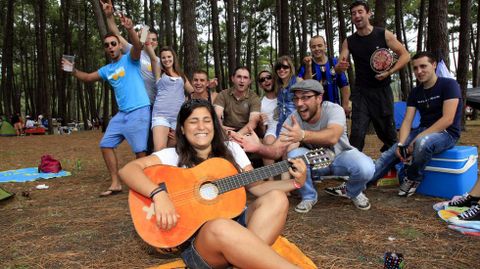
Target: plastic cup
[68, 66]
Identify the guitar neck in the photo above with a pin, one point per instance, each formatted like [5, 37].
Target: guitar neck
[243, 179]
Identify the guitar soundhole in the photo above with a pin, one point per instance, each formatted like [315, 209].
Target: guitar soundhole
[208, 191]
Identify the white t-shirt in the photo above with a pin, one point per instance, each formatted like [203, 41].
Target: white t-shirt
[331, 114]
[169, 156]
[268, 106]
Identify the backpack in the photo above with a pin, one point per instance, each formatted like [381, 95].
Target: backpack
[49, 165]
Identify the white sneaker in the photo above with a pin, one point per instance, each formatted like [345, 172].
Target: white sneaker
[361, 202]
[305, 206]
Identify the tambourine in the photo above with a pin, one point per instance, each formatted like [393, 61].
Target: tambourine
[382, 60]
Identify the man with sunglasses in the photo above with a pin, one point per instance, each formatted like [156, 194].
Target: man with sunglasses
[317, 124]
[152, 38]
[372, 97]
[133, 119]
[268, 106]
[322, 68]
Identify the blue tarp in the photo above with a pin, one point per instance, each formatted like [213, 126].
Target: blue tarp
[29, 174]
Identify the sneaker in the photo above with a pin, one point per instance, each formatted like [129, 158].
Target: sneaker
[465, 201]
[340, 190]
[472, 214]
[408, 187]
[305, 206]
[361, 202]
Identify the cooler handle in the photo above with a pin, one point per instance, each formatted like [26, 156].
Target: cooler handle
[472, 159]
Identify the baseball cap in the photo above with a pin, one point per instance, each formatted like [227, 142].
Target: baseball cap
[308, 85]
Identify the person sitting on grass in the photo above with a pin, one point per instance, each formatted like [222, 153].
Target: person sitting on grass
[243, 242]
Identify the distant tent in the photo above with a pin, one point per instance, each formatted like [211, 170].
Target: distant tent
[6, 129]
[5, 194]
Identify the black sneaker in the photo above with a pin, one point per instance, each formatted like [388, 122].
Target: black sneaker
[471, 214]
[464, 201]
[340, 190]
[408, 187]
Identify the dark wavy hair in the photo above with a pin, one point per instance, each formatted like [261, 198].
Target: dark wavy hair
[186, 153]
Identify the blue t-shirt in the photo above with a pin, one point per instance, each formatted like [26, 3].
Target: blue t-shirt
[125, 78]
[330, 81]
[429, 102]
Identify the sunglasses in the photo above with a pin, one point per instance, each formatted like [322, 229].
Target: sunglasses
[262, 80]
[282, 66]
[112, 43]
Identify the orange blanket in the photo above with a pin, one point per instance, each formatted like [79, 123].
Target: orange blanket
[282, 246]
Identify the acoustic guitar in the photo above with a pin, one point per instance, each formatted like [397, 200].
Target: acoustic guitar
[213, 189]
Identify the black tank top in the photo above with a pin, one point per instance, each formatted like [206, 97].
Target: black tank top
[361, 48]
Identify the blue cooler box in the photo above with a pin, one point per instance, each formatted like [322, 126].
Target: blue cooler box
[452, 172]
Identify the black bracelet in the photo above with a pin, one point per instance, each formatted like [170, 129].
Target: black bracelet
[161, 187]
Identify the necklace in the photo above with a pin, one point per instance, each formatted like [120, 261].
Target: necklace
[425, 99]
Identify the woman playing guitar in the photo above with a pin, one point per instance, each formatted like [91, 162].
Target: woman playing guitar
[243, 242]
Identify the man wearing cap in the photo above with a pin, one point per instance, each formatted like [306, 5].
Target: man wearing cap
[315, 124]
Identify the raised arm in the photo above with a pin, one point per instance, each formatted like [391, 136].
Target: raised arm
[157, 72]
[137, 46]
[112, 26]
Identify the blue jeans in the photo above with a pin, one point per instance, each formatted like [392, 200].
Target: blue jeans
[423, 151]
[352, 163]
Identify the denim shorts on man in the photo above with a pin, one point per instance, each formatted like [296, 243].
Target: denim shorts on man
[132, 126]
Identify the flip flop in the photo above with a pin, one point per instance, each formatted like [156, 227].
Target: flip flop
[110, 193]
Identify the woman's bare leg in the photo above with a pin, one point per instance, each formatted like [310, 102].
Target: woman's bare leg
[160, 137]
[222, 242]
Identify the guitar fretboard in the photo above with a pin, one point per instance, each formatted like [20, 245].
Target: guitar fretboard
[243, 179]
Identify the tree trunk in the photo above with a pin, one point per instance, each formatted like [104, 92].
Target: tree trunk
[190, 43]
[238, 32]
[283, 31]
[6, 89]
[327, 15]
[464, 49]
[230, 37]
[437, 32]
[304, 31]
[43, 88]
[380, 14]
[421, 25]
[168, 22]
[398, 28]
[475, 76]
[217, 59]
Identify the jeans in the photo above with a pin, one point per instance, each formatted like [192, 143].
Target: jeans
[352, 163]
[423, 150]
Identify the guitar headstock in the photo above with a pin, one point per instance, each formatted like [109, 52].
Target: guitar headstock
[319, 158]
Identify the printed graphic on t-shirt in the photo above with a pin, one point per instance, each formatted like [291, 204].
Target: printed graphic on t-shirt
[119, 72]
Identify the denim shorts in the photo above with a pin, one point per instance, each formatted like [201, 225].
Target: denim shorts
[163, 121]
[132, 126]
[192, 258]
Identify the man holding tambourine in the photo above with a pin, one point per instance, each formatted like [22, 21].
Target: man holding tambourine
[374, 52]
